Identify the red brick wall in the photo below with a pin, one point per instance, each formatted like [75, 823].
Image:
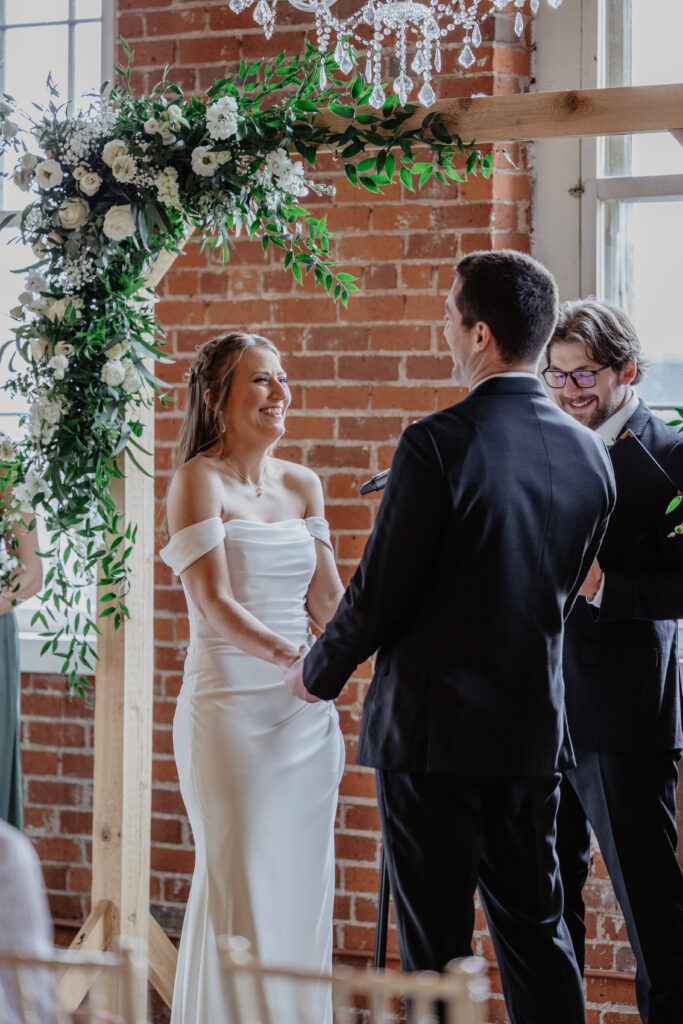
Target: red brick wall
[359, 376]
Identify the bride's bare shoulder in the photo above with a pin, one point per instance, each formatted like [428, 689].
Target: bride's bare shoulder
[195, 493]
[304, 483]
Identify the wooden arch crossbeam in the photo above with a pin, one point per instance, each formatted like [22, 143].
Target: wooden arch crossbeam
[124, 680]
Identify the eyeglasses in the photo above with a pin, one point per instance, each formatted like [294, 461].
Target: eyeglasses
[581, 378]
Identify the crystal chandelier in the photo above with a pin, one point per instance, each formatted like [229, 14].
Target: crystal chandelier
[429, 22]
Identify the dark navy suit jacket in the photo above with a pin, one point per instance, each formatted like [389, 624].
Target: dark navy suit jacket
[621, 662]
[494, 511]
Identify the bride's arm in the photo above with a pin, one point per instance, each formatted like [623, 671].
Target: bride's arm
[325, 589]
[193, 497]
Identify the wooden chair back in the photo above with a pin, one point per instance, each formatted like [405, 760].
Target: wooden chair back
[29, 986]
[458, 996]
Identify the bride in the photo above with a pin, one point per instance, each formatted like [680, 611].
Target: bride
[259, 770]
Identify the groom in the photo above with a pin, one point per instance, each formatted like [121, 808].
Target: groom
[492, 516]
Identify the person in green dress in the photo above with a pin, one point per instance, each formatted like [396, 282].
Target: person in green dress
[26, 581]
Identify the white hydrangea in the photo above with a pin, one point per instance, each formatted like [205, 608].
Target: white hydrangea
[124, 167]
[49, 174]
[43, 418]
[222, 119]
[204, 161]
[167, 187]
[25, 491]
[283, 174]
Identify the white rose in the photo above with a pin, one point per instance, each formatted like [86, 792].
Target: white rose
[132, 380]
[39, 346]
[38, 248]
[90, 183]
[29, 160]
[57, 307]
[25, 298]
[224, 156]
[49, 174]
[167, 136]
[152, 126]
[10, 129]
[119, 223]
[119, 349]
[63, 348]
[174, 114]
[22, 178]
[59, 365]
[79, 172]
[54, 239]
[35, 281]
[113, 372]
[6, 449]
[204, 161]
[73, 213]
[113, 149]
[124, 167]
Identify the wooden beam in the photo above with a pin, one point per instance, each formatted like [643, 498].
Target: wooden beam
[163, 961]
[95, 936]
[549, 115]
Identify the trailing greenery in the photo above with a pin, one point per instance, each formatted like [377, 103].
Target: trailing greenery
[116, 185]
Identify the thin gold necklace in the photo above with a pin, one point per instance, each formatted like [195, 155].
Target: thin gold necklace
[245, 479]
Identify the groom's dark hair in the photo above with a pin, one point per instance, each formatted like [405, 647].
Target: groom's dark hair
[515, 295]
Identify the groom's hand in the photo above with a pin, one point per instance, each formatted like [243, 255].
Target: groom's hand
[294, 679]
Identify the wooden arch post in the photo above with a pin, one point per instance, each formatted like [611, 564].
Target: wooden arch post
[124, 691]
[122, 782]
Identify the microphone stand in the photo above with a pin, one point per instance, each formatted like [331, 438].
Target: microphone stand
[377, 483]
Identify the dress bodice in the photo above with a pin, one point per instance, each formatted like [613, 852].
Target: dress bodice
[270, 567]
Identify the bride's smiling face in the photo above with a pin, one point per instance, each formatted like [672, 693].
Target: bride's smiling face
[259, 396]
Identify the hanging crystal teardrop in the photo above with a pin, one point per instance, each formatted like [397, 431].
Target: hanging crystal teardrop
[437, 59]
[237, 6]
[369, 14]
[263, 13]
[338, 52]
[403, 86]
[519, 23]
[419, 63]
[426, 95]
[466, 58]
[555, 3]
[346, 63]
[377, 97]
[368, 68]
[476, 35]
[323, 76]
[534, 6]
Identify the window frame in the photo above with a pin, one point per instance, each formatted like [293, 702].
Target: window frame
[31, 643]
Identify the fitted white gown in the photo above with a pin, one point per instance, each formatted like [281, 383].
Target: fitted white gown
[259, 772]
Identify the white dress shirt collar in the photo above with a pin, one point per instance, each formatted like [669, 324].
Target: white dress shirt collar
[609, 430]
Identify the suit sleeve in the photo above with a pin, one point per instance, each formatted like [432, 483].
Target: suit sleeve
[397, 561]
[655, 593]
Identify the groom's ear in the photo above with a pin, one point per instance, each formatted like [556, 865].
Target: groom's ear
[483, 336]
[207, 399]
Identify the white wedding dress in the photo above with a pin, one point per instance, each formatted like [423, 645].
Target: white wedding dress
[259, 772]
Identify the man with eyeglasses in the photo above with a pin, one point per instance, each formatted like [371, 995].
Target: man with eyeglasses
[623, 689]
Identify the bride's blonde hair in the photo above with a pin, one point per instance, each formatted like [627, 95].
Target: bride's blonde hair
[211, 373]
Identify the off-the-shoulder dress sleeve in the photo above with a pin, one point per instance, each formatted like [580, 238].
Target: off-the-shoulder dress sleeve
[189, 544]
[320, 529]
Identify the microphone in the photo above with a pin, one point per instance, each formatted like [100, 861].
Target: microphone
[376, 483]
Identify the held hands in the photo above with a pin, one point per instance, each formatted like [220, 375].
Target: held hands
[294, 678]
[592, 582]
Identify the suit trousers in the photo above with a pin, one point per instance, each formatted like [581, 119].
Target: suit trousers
[630, 802]
[445, 835]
